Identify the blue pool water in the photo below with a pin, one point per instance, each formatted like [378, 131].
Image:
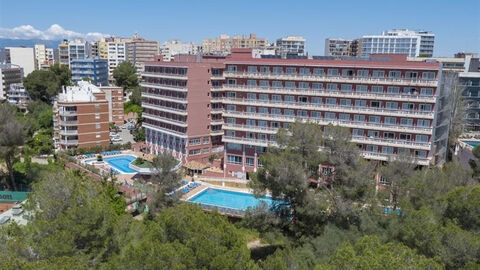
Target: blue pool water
[120, 163]
[228, 199]
[472, 143]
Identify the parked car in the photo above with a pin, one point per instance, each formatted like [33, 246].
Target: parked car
[17, 209]
[131, 127]
[4, 219]
[116, 139]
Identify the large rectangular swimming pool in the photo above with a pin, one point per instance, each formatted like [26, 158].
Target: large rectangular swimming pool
[229, 199]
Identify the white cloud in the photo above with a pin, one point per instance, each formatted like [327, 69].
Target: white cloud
[54, 32]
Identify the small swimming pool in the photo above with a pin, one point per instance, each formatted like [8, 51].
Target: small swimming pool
[472, 143]
[118, 163]
[229, 199]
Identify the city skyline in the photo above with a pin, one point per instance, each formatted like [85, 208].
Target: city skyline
[194, 21]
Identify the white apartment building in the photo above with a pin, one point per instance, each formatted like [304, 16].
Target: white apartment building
[173, 47]
[399, 41]
[9, 74]
[23, 57]
[291, 45]
[17, 95]
[40, 55]
[78, 49]
[117, 53]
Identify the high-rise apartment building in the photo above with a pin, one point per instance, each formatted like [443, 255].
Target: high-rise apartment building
[40, 55]
[23, 57]
[82, 117]
[399, 41]
[117, 53]
[78, 49]
[94, 69]
[63, 57]
[225, 43]
[391, 105]
[181, 113]
[339, 47]
[469, 81]
[291, 45]
[175, 47]
[141, 50]
[9, 74]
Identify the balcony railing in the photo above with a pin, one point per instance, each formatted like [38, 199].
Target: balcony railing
[163, 108]
[334, 79]
[250, 128]
[392, 142]
[164, 119]
[67, 113]
[166, 98]
[68, 142]
[165, 75]
[165, 130]
[164, 86]
[385, 157]
[249, 141]
[68, 132]
[331, 108]
[329, 93]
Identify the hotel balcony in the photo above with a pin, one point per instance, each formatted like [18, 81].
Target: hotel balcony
[386, 157]
[165, 75]
[329, 93]
[216, 132]
[68, 142]
[164, 120]
[164, 130]
[323, 121]
[67, 132]
[164, 86]
[249, 128]
[248, 141]
[330, 108]
[67, 113]
[392, 142]
[216, 110]
[164, 109]
[332, 79]
[67, 122]
[165, 98]
[216, 88]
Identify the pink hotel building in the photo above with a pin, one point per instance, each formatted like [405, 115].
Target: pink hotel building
[233, 106]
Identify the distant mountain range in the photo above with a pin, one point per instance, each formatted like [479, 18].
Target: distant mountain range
[5, 42]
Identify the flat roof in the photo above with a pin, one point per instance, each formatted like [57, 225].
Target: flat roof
[84, 91]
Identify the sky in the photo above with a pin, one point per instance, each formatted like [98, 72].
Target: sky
[456, 24]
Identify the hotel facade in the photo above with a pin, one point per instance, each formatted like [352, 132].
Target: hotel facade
[391, 105]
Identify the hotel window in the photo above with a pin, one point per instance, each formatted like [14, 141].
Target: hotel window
[344, 116]
[230, 108]
[329, 115]
[97, 135]
[291, 70]
[232, 68]
[403, 151]
[263, 96]
[249, 161]
[358, 132]
[286, 125]
[205, 150]
[345, 102]
[264, 84]
[425, 107]
[371, 148]
[277, 84]
[332, 72]
[378, 74]
[301, 113]
[362, 73]
[97, 125]
[317, 86]
[302, 99]
[407, 106]
[421, 153]
[423, 123]
[303, 85]
[409, 90]
[316, 100]
[194, 152]
[264, 70]
[97, 116]
[251, 122]
[318, 71]
[360, 103]
[290, 85]
[315, 115]
[406, 122]
[359, 118]
[390, 120]
[389, 135]
[276, 111]
[252, 69]
[346, 87]
[288, 112]
[230, 133]
[374, 119]
[387, 150]
[273, 137]
[411, 75]
[97, 107]
[252, 83]
[391, 105]
[428, 75]
[194, 141]
[232, 82]
[251, 96]
[347, 72]
[277, 70]
[331, 101]
[421, 138]
[230, 120]
[377, 89]
[361, 88]
[263, 110]
[304, 71]
[373, 134]
[289, 99]
[276, 97]
[231, 94]
[250, 135]
[332, 86]
[375, 104]
[404, 137]
[275, 124]
[393, 90]
[426, 91]
[234, 159]
[262, 137]
[394, 74]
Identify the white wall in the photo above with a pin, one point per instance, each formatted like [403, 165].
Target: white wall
[24, 57]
